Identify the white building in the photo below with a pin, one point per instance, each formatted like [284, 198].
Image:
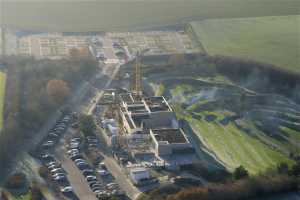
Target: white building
[138, 175]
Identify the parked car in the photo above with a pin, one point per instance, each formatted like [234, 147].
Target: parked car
[91, 178]
[58, 174]
[59, 178]
[48, 143]
[53, 135]
[54, 166]
[102, 166]
[66, 189]
[87, 172]
[75, 156]
[79, 160]
[96, 184]
[91, 183]
[56, 170]
[82, 166]
[76, 139]
[103, 172]
[51, 163]
[73, 151]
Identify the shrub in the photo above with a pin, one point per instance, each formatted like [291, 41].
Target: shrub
[240, 173]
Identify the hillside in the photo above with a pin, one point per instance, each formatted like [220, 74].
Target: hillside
[273, 40]
[232, 123]
[103, 15]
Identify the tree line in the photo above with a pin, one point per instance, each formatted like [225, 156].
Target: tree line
[35, 89]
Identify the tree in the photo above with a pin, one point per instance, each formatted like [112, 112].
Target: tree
[283, 168]
[58, 90]
[240, 173]
[87, 125]
[16, 181]
[296, 169]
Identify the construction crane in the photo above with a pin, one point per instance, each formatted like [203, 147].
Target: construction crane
[136, 82]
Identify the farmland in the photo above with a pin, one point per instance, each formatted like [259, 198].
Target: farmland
[102, 15]
[273, 40]
[2, 95]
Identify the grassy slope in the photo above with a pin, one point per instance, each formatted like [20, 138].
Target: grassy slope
[104, 15]
[2, 96]
[231, 145]
[23, 197]
[273, 40]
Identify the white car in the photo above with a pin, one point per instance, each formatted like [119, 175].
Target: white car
[79, 160]
[56, 170]
[48, 143]
[57, 178]
[73, 151]
[103, 172]
[91, 178]
[66, 189]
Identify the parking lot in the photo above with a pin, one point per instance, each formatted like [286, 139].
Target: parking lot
[52, 166]
[90, 177]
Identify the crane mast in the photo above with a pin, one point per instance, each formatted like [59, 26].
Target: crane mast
[136, 85]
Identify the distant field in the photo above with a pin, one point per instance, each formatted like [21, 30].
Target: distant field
[274, 40]
[2, 95]
[104, 15]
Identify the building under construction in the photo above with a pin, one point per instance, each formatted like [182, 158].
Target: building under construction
[153, 118]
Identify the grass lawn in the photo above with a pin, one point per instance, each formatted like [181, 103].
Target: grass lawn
[23, 197]
[272, 40]
[234, 147]
[2, 96]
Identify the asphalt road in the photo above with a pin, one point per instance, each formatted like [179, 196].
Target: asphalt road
[106, 86]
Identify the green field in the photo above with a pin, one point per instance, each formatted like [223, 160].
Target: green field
[274, 40]
[104, 15]
[2, 96]
[231, 145]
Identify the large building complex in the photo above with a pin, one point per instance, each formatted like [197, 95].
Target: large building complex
[152, 117]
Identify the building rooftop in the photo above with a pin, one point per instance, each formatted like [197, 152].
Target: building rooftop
[139, 170]
[157, 103]
[169, 135]
[127, 98]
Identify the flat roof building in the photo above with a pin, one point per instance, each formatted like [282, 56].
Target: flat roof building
[138, 175]
[170, 141]
[139, 115]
